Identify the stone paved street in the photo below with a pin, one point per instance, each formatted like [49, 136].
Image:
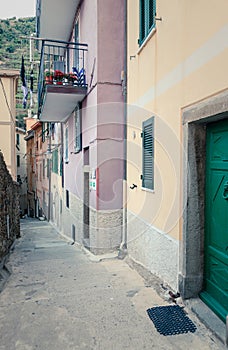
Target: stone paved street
[57, 298]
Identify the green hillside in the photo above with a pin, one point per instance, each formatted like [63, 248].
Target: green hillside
[14, 42]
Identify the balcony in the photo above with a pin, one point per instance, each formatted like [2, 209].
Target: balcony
[62, 79]
[55, 18]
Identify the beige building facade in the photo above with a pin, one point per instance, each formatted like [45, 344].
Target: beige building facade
[177, 97]
[21, 161]
[8, 89]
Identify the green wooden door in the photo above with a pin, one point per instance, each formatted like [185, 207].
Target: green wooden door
[216, 220]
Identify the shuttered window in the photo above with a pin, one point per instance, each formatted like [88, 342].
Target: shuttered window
[148, 154]
[66, 146]
[147, 11]
[77, 130]
[55, 160]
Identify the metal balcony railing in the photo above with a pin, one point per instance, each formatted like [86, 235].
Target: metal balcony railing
[61, 63]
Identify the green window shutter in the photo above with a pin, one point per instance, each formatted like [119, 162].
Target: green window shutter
[151, 13]
[77, 130]
[141, 21]
[66, 146]
[61, 167]
[48, 168]
[148, 154]
[147, 11]
[55, 161]
[18, 139]
[43, 132]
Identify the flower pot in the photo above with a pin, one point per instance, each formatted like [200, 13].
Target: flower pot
[49, 79]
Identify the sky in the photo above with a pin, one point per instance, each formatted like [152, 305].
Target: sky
[17, 8]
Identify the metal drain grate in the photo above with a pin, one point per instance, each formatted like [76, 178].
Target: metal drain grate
[171, 320]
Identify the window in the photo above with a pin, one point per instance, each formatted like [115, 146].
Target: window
[60, 206]
[43, 132]
[147, 11]
[55, 161]
[43, 198]
[66, 149]
[61, 167]
[43, 168]
[18, 160]
[67, 199]
[148, 154]
[48, 168]
[76, 52]
[77, 130]
[18, 139]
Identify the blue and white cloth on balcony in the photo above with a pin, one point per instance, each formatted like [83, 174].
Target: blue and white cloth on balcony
[80, 74]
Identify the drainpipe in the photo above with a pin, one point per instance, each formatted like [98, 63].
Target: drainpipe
[123, 245]
[49, 155]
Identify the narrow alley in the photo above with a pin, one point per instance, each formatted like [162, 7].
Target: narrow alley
[59, 297]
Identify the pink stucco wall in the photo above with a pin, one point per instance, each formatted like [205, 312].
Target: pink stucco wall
[101, 27]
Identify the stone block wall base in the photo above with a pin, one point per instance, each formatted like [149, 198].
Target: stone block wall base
[189, 287]
[105, 231]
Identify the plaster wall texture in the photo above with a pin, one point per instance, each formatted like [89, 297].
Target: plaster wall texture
[88, 34]
[105, 230]
[155, 250]
[72, 216]
[110, 40]
[195, 69]
[7, 117]
[102, 127]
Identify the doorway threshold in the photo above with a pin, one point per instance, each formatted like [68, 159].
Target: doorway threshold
[209, 318]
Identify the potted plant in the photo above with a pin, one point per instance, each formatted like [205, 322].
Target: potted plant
[72, 78]
[48, 76]
[58, 77]
[65, 79]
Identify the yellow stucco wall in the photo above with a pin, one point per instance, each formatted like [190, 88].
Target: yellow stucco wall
[183, 61]
[8, 89]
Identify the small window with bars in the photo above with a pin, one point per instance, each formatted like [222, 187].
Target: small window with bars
[148, 154]
[147, 12]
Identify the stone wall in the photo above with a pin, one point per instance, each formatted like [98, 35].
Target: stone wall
[9, 209]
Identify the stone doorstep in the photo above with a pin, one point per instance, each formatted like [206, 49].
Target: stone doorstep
[208, 318]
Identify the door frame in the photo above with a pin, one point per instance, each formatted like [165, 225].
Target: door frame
[191, 252]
